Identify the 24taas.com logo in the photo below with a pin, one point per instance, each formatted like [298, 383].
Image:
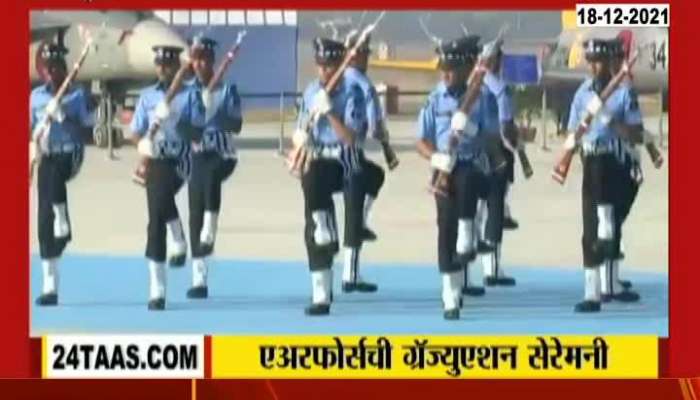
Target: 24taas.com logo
[133, 356]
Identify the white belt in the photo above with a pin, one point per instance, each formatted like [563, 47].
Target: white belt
[63, 148]
[219, 141]
[596, 148]
[633, 151]
[478, 159]
[329, 151]
[466, 157]
[169, 149]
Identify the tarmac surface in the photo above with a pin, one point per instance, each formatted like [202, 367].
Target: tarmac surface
[104, 274]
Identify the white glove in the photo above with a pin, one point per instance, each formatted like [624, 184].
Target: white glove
[460, 123]
[162, 111]
[300, 138]
[145, 147]
[44, 144]
[32, 151]
[594, 105]
[321, 103]
[54, 111]
[206, 98]
[570, 142]
[605, 116]
[442, 162]
[210, 106]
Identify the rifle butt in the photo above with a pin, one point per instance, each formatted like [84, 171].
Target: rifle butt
[525, 163]
[561, 168]
[656, 157]
[494, 151]
[440, 184]
[392, 161]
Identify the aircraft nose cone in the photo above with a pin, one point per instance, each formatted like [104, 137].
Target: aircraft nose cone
[144, 36]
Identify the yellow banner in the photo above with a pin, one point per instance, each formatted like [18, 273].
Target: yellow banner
[434, 357]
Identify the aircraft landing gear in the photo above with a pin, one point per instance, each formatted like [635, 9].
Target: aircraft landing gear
[104, 133]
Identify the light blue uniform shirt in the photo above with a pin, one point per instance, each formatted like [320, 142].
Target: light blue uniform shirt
[347, 104]
[186, 110]
[622, 105]
[74, 105]
[226, 117]
[493, 125]
[503, 96]
[435, 119]
[373, 112]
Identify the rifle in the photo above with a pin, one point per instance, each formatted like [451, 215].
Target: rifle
[513, 142]
[392, 161]
[561, 168]
[493, 147]
[174, 87]
[223, 66]
[220, 71]
[656, 157]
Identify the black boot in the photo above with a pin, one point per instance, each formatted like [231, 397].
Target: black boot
[47, 299]
[368, 235]
[451, 315]
[626, 296]
[625, 283]
[363, 287]
[587, 306]
[317, 309]
[497, 278]
[510, 224]
[473, 291]
[206, 248]
[177, 261]
[483, 247]
[490, 281]
[499, 281]
[198, 292]
[156, 304]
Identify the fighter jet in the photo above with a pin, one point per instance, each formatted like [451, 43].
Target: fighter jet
[562, 66]
[562, 56]
[120, 61]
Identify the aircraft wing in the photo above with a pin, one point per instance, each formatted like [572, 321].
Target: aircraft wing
[561, 75]
[413, 65]
[42, 20]
[519, 46]
[54, 20]
[45, 26]
[542, 48]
